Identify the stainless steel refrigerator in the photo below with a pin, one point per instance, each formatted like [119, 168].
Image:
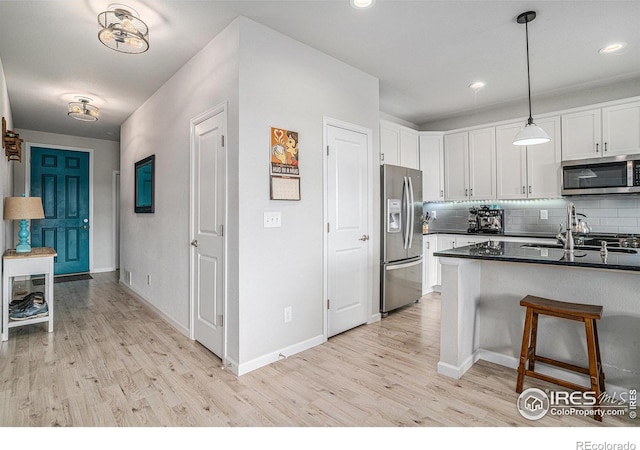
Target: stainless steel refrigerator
[401, 253]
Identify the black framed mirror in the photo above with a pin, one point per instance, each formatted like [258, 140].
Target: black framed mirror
[144, 184]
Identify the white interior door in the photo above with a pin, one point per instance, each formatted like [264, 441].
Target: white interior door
[348, 245]
[208, 193]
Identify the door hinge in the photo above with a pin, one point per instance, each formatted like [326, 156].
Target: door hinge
[328, 227]
[221, 230]
[328, 304]
[381, 156]
[221, 320]
[222, 140]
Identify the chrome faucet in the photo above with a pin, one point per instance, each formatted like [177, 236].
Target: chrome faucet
[566, 238]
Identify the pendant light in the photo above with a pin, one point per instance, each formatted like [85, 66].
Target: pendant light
[531, 134]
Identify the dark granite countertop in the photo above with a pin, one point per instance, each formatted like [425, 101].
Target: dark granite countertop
[617, 259]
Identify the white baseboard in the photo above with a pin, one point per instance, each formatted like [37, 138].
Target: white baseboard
[456, 372]
[513, 362]
[374, 318]
[269, 358]
[103, 269]
[170, 320]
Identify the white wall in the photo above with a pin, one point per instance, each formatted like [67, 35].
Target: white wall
[267, 80]
[106, 159]
[540, 105]
[158, 244]
[289, 85]
[5, 167]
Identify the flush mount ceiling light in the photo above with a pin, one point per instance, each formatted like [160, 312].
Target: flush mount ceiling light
[123, 31]
[613, 48]
[362, 4]
[82, 110]
[531, 134]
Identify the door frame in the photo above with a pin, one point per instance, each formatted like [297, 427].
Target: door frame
[326, 123]
[220, 108]
[115, 200]
[27, 182]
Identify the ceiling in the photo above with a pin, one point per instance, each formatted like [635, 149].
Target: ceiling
[425, 53]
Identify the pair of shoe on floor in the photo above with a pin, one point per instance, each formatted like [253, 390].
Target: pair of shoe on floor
[31, 306]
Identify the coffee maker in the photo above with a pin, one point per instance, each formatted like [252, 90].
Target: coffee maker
[486, 220]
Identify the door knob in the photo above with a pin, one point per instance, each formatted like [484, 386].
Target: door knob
[194, 242]
[364, 237]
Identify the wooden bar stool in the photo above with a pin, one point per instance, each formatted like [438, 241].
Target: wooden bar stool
[572, 311]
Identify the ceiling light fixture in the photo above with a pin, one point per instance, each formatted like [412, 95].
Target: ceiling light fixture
[123, 31]
[477, 85]
[613, 48]
[531, 134]
[82, 110]
[362, 4]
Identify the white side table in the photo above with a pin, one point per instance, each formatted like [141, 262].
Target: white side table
[38, 261]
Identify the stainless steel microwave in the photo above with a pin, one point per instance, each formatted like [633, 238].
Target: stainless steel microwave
[609, 175]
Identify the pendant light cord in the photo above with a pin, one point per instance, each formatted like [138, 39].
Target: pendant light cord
[526, 26]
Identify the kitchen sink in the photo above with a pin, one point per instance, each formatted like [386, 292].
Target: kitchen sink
[629, 251]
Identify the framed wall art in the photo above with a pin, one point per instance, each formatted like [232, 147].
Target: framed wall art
[284, 167]
[144, 184]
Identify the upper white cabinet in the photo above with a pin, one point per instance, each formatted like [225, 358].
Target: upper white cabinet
[598, 132]
[432, 166]
[398, 145]
[470, 165]
[528, 172]
[621, 129]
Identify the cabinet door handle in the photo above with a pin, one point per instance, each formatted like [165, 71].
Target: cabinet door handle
[428, 245]
[597, 147]
[605, 146]
[524, 190]
[441, 193]
[466, 192]
[529, 189]
[471, 192]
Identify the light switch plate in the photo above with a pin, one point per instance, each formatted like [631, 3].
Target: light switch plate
[544, 214]
[272, 219]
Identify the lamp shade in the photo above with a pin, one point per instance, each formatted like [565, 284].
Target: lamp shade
[18, 208]
[531, 134]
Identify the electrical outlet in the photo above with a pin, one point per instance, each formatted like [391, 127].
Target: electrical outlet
[128, 277]
[433, 215]
[272, 219]
[544, 214]
[288, 314]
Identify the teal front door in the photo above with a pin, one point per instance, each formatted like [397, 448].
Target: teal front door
[61, 178]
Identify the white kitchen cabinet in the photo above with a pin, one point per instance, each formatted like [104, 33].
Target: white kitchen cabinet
[430, 264]
[470, 165]
[432, 166]
[528, 171]
[389, 144]
[621, 129]
[399, 145]
[608, 131]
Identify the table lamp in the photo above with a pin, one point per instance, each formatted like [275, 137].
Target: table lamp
[22, 209]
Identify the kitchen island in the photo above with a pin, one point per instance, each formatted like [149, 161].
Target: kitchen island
[481, 317]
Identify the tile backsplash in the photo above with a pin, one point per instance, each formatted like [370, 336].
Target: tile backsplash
[605, 214]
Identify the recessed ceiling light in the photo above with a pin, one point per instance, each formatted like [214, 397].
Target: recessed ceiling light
[362, 4]
[613, 48]
[476, 86]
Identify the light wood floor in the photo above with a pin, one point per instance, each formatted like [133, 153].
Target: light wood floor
[112, 362]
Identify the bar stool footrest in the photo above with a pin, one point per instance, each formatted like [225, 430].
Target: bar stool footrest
[561, 364]
[558, 381]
